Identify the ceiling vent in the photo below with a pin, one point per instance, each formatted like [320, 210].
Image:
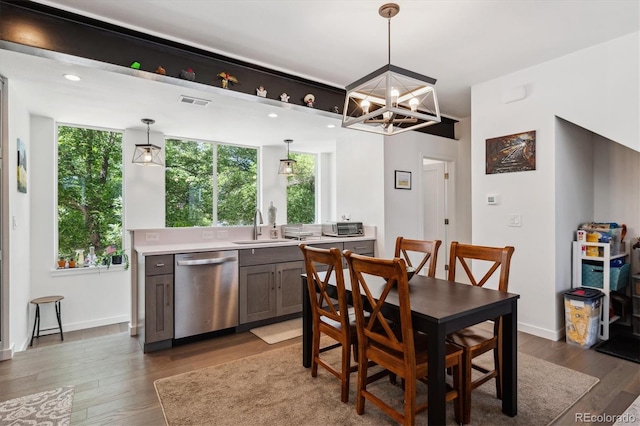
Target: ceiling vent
[194, 101]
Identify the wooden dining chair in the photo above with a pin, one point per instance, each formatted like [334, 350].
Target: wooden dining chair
[477, 340]
[328, 319]
[427, 249]
[394, 346]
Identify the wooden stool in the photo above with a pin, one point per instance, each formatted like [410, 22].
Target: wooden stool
[37, 302]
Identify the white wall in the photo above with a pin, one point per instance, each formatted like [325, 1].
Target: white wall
[584, 89]
[91, 297]
[19, 218]
[359, 162]
[574, 197]
[404, 209]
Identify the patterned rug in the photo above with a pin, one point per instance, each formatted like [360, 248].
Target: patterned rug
[273, 388]
[46, 408]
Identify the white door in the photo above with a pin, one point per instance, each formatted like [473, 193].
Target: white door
[435, 209]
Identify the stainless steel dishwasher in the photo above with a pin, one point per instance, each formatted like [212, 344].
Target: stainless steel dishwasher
[206, 292]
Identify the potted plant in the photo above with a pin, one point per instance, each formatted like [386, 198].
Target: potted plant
[61, 261]
[118, 258]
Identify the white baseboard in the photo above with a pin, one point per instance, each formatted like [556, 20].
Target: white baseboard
[541, 332]
[6, 353]
[83, 325]
[133, 330]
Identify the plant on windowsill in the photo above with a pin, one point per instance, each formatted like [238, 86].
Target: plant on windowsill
[118, 258]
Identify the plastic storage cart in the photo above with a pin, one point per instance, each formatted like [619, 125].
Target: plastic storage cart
[582, 315]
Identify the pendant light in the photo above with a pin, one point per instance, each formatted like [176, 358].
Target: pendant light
[287, 165]
[148, 154]
[391, 100]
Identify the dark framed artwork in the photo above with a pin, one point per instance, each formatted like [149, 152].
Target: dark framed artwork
[22, 167]
[403, 180]
[512, 153]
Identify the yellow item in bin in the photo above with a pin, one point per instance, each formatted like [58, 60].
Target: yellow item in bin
[592, 251]
[593, 237]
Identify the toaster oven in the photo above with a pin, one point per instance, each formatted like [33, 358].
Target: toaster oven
[342, 229]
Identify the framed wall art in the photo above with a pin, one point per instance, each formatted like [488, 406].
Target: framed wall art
[512, 153]
[403, 180]
[22, 167]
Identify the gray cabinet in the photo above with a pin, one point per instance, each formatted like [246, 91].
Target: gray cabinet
[158, 322]
[270, 281]
[257, 293]
[270, 290]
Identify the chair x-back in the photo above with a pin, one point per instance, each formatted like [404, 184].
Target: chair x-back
[477, 340]
[393, 345]
[323, 265]
[428, 249]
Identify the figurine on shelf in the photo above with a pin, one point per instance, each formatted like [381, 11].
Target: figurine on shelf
[284, 97]
[226, 79]
[309, 99]
[135, 65]
[335, 109]
[261, 91]
[188, 74]
[161, 70]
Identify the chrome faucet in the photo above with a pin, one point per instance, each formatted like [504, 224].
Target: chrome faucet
[256, 229]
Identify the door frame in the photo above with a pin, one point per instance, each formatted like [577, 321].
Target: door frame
[450, 205]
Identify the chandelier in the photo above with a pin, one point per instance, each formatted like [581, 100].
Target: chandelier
[148, 154]
[391, 100]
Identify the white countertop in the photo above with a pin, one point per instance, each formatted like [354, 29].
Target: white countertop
[159, 249]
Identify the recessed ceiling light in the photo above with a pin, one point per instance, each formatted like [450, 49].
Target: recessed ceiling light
[331, 126]
[273, 115]
[71, 77]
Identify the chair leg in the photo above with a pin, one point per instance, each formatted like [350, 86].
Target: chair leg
[363, 364]
[346, 367]
[36, 322]
[409, 400]
[58, 313]
[315, 351]
[458, 403]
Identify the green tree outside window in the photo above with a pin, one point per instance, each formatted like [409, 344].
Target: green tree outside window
[89, 189]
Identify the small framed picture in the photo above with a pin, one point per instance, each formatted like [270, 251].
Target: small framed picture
[403, 180]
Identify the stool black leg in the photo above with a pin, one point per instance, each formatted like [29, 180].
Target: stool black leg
[58, 309]
[36, 322]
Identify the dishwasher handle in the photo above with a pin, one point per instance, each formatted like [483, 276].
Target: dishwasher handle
[214, 261]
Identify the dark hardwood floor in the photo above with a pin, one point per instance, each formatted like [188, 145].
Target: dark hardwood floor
[113, 379]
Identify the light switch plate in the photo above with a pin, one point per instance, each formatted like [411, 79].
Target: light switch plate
[152, 236]
[514, 220]
[493, 199]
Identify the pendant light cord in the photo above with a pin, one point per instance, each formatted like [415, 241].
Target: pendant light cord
[389, 39]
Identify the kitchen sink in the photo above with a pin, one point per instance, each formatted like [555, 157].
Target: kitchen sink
[279, 240]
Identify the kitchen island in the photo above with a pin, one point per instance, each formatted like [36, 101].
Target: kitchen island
[263, 286]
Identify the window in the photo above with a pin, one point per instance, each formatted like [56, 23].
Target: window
[301, 190]
[191, 188]
[89, 190]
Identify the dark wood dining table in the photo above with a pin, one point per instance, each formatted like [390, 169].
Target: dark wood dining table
[440, 307]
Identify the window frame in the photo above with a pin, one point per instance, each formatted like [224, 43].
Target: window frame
[215, 144]
[55, 271]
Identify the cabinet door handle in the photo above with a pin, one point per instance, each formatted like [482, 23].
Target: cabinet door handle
[279, 280]
[272, 281]
[166, 295]
[159, 265]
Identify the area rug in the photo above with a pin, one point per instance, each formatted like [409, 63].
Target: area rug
[280, 331]
[43, 408]
[630, 416]
[273, 388]
[622, 346]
